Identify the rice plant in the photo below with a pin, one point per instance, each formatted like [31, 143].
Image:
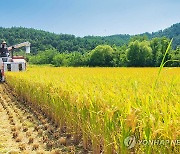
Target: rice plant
[104, 106]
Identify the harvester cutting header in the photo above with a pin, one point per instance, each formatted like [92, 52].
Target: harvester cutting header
[9, 62]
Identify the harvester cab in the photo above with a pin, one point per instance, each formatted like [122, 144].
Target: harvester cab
[9, 62]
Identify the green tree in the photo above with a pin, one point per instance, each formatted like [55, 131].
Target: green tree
[102, 55]
[175, 55]
[76, 59]
[139, 53]
[70, 59]
[60, 60]
[119, 56]
[164, 42]
[44, 57]
[139, 38]
[156, 47]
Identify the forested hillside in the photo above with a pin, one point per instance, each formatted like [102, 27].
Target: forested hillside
[116, 50]
[171, 32]
[42, 40]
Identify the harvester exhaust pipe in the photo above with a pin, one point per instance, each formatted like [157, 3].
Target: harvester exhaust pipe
[27, 49]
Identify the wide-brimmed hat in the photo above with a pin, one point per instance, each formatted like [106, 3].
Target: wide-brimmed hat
[3, 42]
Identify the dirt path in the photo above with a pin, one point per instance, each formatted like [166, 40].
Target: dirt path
[6, 142]
[23, 130]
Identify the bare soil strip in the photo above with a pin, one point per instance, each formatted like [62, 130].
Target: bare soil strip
[24, 130]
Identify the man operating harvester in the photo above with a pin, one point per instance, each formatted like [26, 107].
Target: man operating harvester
[3, 50]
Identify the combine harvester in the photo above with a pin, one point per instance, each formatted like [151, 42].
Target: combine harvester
[9, 62]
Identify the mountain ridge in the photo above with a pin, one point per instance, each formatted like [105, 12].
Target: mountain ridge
[41, 39]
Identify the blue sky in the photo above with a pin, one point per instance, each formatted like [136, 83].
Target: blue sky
[91, 17]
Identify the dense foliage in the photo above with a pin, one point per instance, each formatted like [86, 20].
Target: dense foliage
[41, 40]
[137, 53]
[63, 42]
[122, 50]
[101, 56]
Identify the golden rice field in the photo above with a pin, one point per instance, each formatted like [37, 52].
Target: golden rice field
[104, 106]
